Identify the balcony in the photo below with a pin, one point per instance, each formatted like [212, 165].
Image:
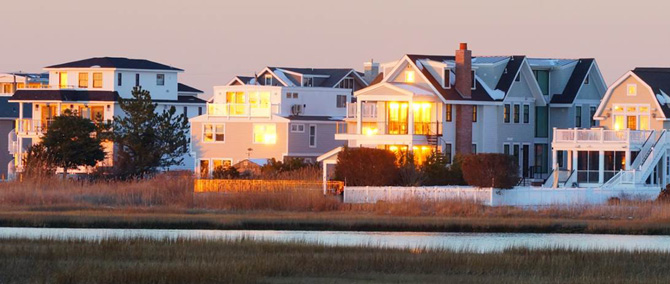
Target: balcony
[368, 110]
[600, 138]
[241, 110]
[31, 127]
[389, 133]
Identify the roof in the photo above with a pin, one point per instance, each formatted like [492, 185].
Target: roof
[116, 62]
[183, 88]
[658, 80]
[64, 95]
[574, 83]
[183, 99]
[335, 75]
[512, 69]
[312, 118]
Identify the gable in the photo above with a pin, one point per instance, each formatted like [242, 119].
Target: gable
[618, 94]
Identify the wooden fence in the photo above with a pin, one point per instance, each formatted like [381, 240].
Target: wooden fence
[244, 185]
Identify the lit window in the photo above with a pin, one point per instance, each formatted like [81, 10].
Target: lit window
[449, 113]
[409, 77]
[213, 133]
[265, 133]
[268, 80]
[506, 115]
[97, 80]
[160, 79]
[221, 164]
[83, 80]
[474, 113]
[618, 122]
[632, 89]
[62, 79]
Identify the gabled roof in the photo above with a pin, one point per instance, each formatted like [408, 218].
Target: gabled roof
[116, 62]
[334, 75]
[658, 80]
[183, 88]
[64, 95]
[512, 68]
[574, 83]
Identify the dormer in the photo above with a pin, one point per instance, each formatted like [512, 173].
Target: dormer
[447, 78]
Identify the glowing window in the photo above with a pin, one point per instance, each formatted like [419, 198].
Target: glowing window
[618, 122]
[618, 108]
[83, 80]
[631, 89]
[97, 80]
[409, 77]
[265, 133]
[644, 122]
[213, 133]
[62, 79]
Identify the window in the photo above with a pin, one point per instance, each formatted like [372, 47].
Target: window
[221, 164]
[516, 113]
[291, 95]
[526, 113]
[295, 95]
[518, 77]
[587, 79]
[578, 116]
[160, 79]
[62, 80]
[631, 89]
[214, 133]
[297, 128]
[506, 113]
[137, 80]
[474, 113]
[541, 158]
[265, 133]
[447, 78]
[474, 148]
[83, 80]
[347, 83]
[204, 168]
[268, 80]
[307, 81]
[541, 122]
[97, 80]
[542, 77]
[474, 81]
[97, 113]
[341, 101]
[506, 149]
[312, 136]
[592, 112]
[186, 111]
[447, 152]
[409, 76]
[449, 112]
[199, 110]
[119, 79]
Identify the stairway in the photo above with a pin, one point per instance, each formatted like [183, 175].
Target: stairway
[432, 139]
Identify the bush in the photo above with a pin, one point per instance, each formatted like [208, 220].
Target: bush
[38, 162]
[366, 167]
[409, 173]
[490, 170]
[664, 196]
[221, 172]
[437, 171]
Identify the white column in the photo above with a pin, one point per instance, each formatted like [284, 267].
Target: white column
[627, 157]
[325, 176]
[569, 160]
[20, 110]
[601, 167]
[58, 110]
[359, 117]
[554, 158]
[410, 119]
[575, 155]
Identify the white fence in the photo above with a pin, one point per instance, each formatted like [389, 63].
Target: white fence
[518, 196]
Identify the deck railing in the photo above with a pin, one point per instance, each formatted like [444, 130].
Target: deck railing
[390, 128]
[368, 110]
[241, 110]
[600, 135]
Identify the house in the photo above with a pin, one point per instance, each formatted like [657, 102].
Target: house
[630, 147]
[91, 88]
[282, 112]
[464, 104]
[9, 112]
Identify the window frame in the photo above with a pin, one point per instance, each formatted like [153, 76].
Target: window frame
[628, 93]
[526, 113]
[507, 111]
[341, 99]
[265, 79]
[448, 150]
[312, 137]
[516, 113]
[214, 132]
[137, 79]
[253, 134]
[475, 113]
[79, 80]
[297, 128]
[449, 113]
[160, 79]
[578, 116]
[119, 79]
[446, 81]
[100, 81]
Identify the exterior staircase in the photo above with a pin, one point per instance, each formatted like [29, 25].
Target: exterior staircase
[651, 153]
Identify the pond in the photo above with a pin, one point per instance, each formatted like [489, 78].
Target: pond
[476, 242]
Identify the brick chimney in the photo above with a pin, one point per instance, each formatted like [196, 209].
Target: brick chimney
[464, 112]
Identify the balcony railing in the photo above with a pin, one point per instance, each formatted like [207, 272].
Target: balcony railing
[241, 110]
[390, 128]
[27, 126]
[600, 135]
[368, 110]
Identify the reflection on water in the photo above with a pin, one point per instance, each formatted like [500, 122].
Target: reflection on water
[479, 242]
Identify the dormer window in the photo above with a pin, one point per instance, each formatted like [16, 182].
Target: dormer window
[347, 83]
[446, 83]
[268, 80]
[474, 81]
[409, 76]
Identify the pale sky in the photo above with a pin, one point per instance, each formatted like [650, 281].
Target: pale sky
[215, 40]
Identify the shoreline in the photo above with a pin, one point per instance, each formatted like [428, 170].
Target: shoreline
[319, 221]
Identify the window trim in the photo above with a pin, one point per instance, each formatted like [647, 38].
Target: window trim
[297, 128]
[446, 81]
[337, 101]
[265, 79]
[526, 113]
[516, 113]
[158, 82]
[309, 138]
[79, 80]
[214, 141]
[507, 113]
[101, 80]
[449, 145]
[628, 89]
[449, 112]
[578, 116]
[253, 134]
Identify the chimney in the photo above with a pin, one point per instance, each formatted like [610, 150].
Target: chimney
[464, 112]
[370, 70]
[464, 71]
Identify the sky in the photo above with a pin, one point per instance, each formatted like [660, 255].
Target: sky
[214, 40]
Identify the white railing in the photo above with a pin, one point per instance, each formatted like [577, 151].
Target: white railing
[27, 126]
[241, 110]
[600, 135]
[368, 110]
[627, 177]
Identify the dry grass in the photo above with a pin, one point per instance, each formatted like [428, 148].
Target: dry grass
[245, 261]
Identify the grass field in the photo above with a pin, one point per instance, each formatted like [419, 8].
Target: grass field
[247, 261]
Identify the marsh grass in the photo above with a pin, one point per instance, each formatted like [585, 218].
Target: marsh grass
[246, 261]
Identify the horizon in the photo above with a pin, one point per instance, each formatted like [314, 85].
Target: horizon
[214, 41]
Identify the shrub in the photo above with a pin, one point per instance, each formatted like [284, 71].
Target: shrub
[490, 170]
[437, 171]
[366, 167]
[221, 172]
[409, 173]
[664, 196]
[38, 163]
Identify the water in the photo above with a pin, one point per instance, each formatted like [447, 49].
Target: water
[477, 242]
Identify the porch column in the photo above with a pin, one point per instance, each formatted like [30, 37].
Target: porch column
[575, 155]
[410, 119]
[325, 177]
[58, 109]
[359, 117]
[554, 158]
[627, 157]
[569, 160]
[601, 167]
[21, 110]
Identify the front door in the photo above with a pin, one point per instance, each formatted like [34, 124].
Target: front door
[526, 161]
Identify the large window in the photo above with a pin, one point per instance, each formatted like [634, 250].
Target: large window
[541, 122]
[526, 113]
[578, 116]
[97, 80]
[265, 133]
[542, 77]
[397, 121]
[615, 161]
[592, 113]
[449, 112]
[341, 101]
[631, 116]
[312, 136]
[506, 114]
[83, 80]
[541, 158]
[588, 166]
[97, 113]
[213, 133]
[516, 113]
[62, 80]
[221, 164]
[160, 79]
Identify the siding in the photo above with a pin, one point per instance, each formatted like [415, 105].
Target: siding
[325, 139]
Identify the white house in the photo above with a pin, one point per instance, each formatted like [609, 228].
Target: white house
[92, 87]
[282, 112]
[464, 104]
